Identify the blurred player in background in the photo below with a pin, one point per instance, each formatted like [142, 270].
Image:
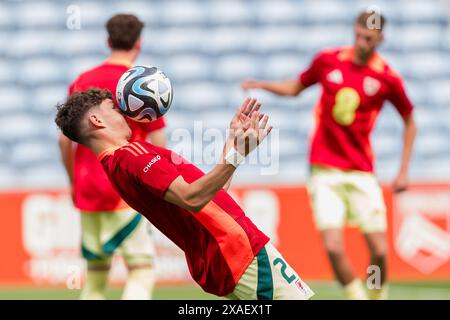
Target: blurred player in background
[355, 83]
[226, 253]
[108, 224]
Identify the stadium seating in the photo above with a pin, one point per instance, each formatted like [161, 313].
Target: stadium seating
[207, 48]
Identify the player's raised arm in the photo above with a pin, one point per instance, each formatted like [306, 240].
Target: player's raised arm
[283, 88]
[247, 131]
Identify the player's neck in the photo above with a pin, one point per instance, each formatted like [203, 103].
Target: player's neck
[122, 57]
[362, 60]
[100, 145]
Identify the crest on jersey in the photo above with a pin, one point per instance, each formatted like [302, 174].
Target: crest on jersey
[371, 86]
[422, 228]
[335, 76]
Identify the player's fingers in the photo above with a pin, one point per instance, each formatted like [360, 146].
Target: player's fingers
[243, 106]
[261, 116]
[255, 121]
[264, 122]
[255, 109]
[249, 106]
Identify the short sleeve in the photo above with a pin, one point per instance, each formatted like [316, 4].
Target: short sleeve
[154, 172]
[312, 74]
[398, 97]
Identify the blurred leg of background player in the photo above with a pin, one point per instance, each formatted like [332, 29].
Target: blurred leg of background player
[339, 197]
[125, 233]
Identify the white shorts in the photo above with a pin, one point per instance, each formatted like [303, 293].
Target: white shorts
[269, 277]
[341, 197]
[123, 232]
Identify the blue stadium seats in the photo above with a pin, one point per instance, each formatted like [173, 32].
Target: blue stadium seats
[279, 12]
[14, 100]
[82, 42]
[175, 40]
[81, 64]
[439, 93]
[7, 73]
[41, 14]
[414, 37]
[283, 66]
[188, 68]
[43, 176]
[149, 13]
[207, 48]
[421, 12]
[182, 13]
[222, 41]
[235, 68]
[17, 127]
[32, 152]
[7, 18]
[276, 39]
[333, 12]
[46, 98]
[41, 71]
[200, 96]
[318, 38]
[230, 13]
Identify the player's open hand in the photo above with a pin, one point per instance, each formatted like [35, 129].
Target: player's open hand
[243, 114]
[252, 131]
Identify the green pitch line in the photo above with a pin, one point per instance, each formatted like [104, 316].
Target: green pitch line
[323, 290]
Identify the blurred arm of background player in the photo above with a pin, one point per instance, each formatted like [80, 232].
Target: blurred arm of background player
[66, 151]
[281, 88]
[246, 133]
[294, 88]
[409, 133]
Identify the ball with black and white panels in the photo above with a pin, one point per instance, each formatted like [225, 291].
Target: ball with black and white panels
[144, 93]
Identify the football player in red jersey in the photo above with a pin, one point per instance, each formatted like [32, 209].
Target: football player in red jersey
[356, 81]
[227, 254]
[108, 224]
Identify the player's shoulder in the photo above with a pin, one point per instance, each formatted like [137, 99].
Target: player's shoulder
[379, 64]
[137, 149]
[328, 53]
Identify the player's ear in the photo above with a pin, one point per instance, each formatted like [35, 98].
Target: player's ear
[96, 121]
[109, 43]
[138, 44]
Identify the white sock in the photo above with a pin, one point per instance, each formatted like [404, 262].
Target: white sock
[140, 284]
[355, 290]
[378, 294]
[95, 286]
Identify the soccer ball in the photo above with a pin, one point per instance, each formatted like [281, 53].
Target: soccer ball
[144, 93]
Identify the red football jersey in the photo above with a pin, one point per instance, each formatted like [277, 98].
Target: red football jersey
[219, 241]
[92, 189]
[351, 99]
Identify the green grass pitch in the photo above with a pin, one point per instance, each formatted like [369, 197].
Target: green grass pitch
[324, 290]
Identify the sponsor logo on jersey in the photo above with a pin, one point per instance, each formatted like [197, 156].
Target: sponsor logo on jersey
[371, 86]
[335, 76]
[151, 162]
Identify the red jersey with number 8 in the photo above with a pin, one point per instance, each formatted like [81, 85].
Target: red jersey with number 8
[351, 99]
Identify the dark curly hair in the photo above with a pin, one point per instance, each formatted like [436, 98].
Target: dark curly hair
[123, 31]
[70, 113]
